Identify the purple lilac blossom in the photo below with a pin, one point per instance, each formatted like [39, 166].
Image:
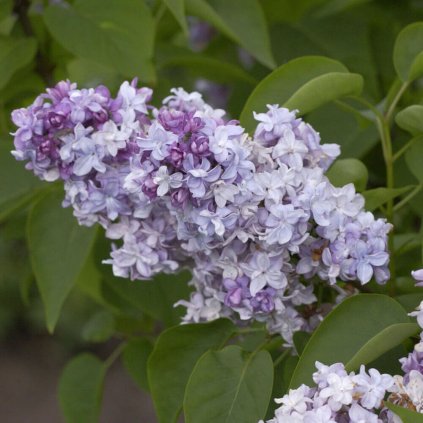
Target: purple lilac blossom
[254, 216]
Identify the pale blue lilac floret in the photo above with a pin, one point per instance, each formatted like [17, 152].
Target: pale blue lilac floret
[253, 215]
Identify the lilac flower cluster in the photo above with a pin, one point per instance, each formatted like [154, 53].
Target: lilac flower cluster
[338, 397]
[412, 365]
[254, 217]
[341, 397]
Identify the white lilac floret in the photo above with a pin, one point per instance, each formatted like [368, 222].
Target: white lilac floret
[254, 216]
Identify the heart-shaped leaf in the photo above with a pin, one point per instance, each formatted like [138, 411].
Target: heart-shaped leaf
[411, 119]
[408, 52]
[346, 171]
[230, 385]
[59, 248]
[413, 159]
[81, 388]
[173, 358]
[119, 35]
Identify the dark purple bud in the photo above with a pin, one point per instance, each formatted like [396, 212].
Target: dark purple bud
[263, 301]
[56, 120]
[48, 149]
[176, 156]
[149, 188]
[196, 124]
[174, 121]
[179, 197]
[125, 154]
[200, 146]
[243, 281]
[143, 119]
[101, 116]
[66, 171]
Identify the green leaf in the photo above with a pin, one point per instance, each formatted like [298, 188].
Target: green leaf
[346, 171]
[406, 284]
[135, 357]
[408, 52]
[355, 134]
[300, 339]
[89, 282]
[6, 7]
[14, 55]
[406, 242]
[303, 83]
[80, 389]
[177, 7]
[89, 73]
[384, 341]
[230, 385]
[7, 24]
[155, 297]
[332, 7]
[411, 119]
[99, 328]
[24, 85]
[58, 249]
[25, 184]
[248, 29]
[410, 301]
[406, 415]
[323, 89]
[282, 374]
[345, 330]
[119, 35]
[250, 341]
[205, 66]
[389, 361]
[413, 159]
[173, 358]
[379, 196]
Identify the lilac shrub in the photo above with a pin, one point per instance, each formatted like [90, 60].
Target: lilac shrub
[253, 216]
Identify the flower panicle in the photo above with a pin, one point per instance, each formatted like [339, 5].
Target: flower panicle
[254, 216]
